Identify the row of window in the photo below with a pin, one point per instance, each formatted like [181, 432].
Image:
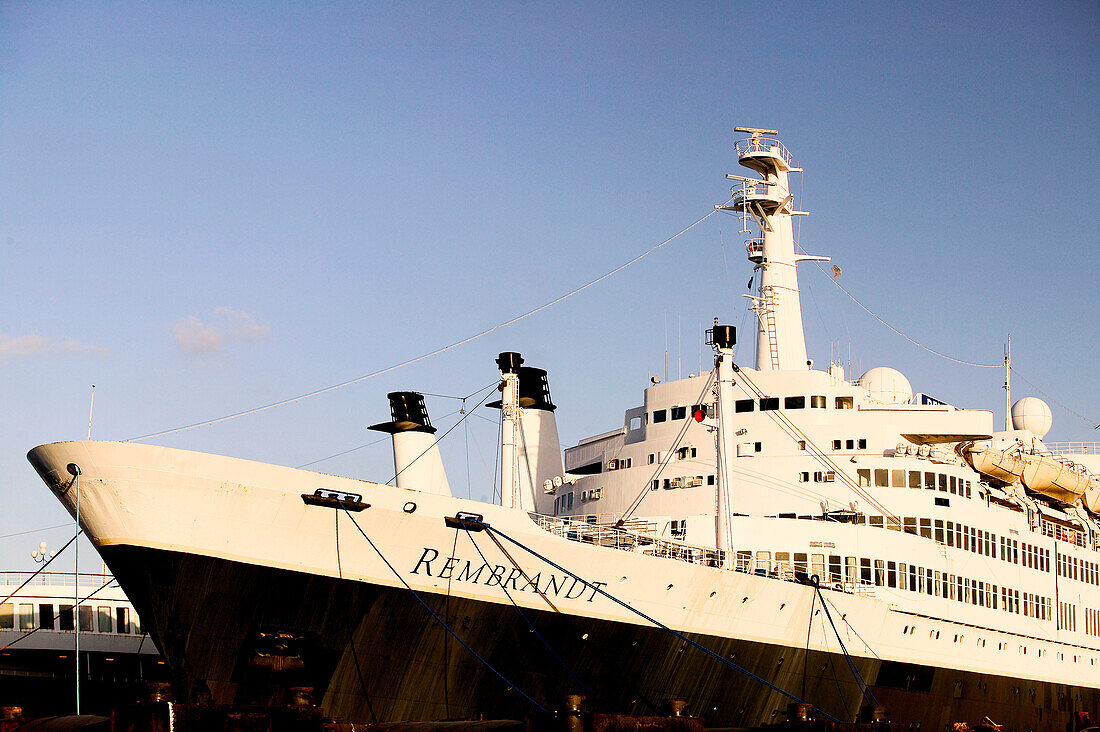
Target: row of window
[884, 573]
[682, 453]
[913, 479]
[967, 538]
[101, 619]
[770, 404]
[1067, 616]
[675, 413]
[684, 481]
[1078, 569]
[1092, 622]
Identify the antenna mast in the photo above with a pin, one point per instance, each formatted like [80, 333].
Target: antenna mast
[1008, 384]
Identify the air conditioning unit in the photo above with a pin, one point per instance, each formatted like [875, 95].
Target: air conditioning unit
[595, 494]
[677, 482]
[612, 464]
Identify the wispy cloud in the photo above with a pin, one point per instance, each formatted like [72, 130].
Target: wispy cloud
[194, 335]
[32, 344]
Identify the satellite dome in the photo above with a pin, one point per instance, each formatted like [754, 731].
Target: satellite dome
[1032, 414]
[886, 386]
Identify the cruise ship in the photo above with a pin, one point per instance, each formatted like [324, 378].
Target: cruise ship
[745, 539]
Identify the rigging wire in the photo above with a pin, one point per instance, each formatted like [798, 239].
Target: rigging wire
[867, 693]
[43, 567]
[438, 619]
[436, 352]
[903, 335]
[35, 531]
[1091, 423]
[437, 440]
[637, 502]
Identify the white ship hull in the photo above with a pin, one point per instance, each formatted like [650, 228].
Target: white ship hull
[213, 551]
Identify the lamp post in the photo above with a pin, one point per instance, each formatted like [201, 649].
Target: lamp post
[74, 470]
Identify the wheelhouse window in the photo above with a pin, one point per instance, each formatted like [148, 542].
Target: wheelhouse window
[743, 405]
[660, 415]
[845, 402]
[679, 412]
[794, 402]
[817, 401]
[769, 404]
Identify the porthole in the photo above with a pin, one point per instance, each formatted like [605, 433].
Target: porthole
[905, 630]
[783, 606]
[713, 594]
[409, 507]
[669, 587]
[744, 600]
[622, 579]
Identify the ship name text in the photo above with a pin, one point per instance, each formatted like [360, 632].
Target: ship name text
[490, 575]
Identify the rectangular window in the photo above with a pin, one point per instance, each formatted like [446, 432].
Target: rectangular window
[834, 568]
[910, 525]
[817, 566]
[893, 523]
[679, 412]
[103, 614]
[86, 619]
[865, 571]
[850, 570]
[744, 559]
[891, 574]
[881, 478]
[897, 478]
[45, 616]
[844, 402]
[769, 404]
[849, 444]
[836, 444]
[951, 487]
[930, 481]
[926, 528]
[65, 618]
[800, 562]
[743, 405]
[122, 619]
[794, 402]
[863, 476]
[943, 501]
[943, 483]
[875, 521]
[880, 573]
[26, 617]
[817, 402]
[939, 531]
[914, 479]
[861, 443]
[950, 533]
[660, 415]
[7, 616]
[903, 576]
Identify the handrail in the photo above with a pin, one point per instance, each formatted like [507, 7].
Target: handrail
[55, 579]
[764, 145]
[1074, 448]
[612, 537]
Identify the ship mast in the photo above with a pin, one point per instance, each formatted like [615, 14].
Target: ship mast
[768, 204]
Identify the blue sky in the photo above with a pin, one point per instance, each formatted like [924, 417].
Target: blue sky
[207, 207]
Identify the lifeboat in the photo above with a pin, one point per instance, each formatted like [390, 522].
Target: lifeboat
[1040, 474]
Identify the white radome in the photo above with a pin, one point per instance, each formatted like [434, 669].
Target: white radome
[1032, 414]
[886, 386]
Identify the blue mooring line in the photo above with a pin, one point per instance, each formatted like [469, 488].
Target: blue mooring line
[440, 620]
[537, 633]
[661, 625]
[847, 656]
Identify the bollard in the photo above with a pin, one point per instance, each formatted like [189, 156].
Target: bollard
[573, 721]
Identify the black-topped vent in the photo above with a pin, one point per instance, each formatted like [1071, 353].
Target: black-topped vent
[408, 413]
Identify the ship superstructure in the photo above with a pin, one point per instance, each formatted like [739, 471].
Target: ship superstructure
[957, 565]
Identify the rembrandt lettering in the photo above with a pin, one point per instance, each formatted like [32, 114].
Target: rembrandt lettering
[463, 570]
